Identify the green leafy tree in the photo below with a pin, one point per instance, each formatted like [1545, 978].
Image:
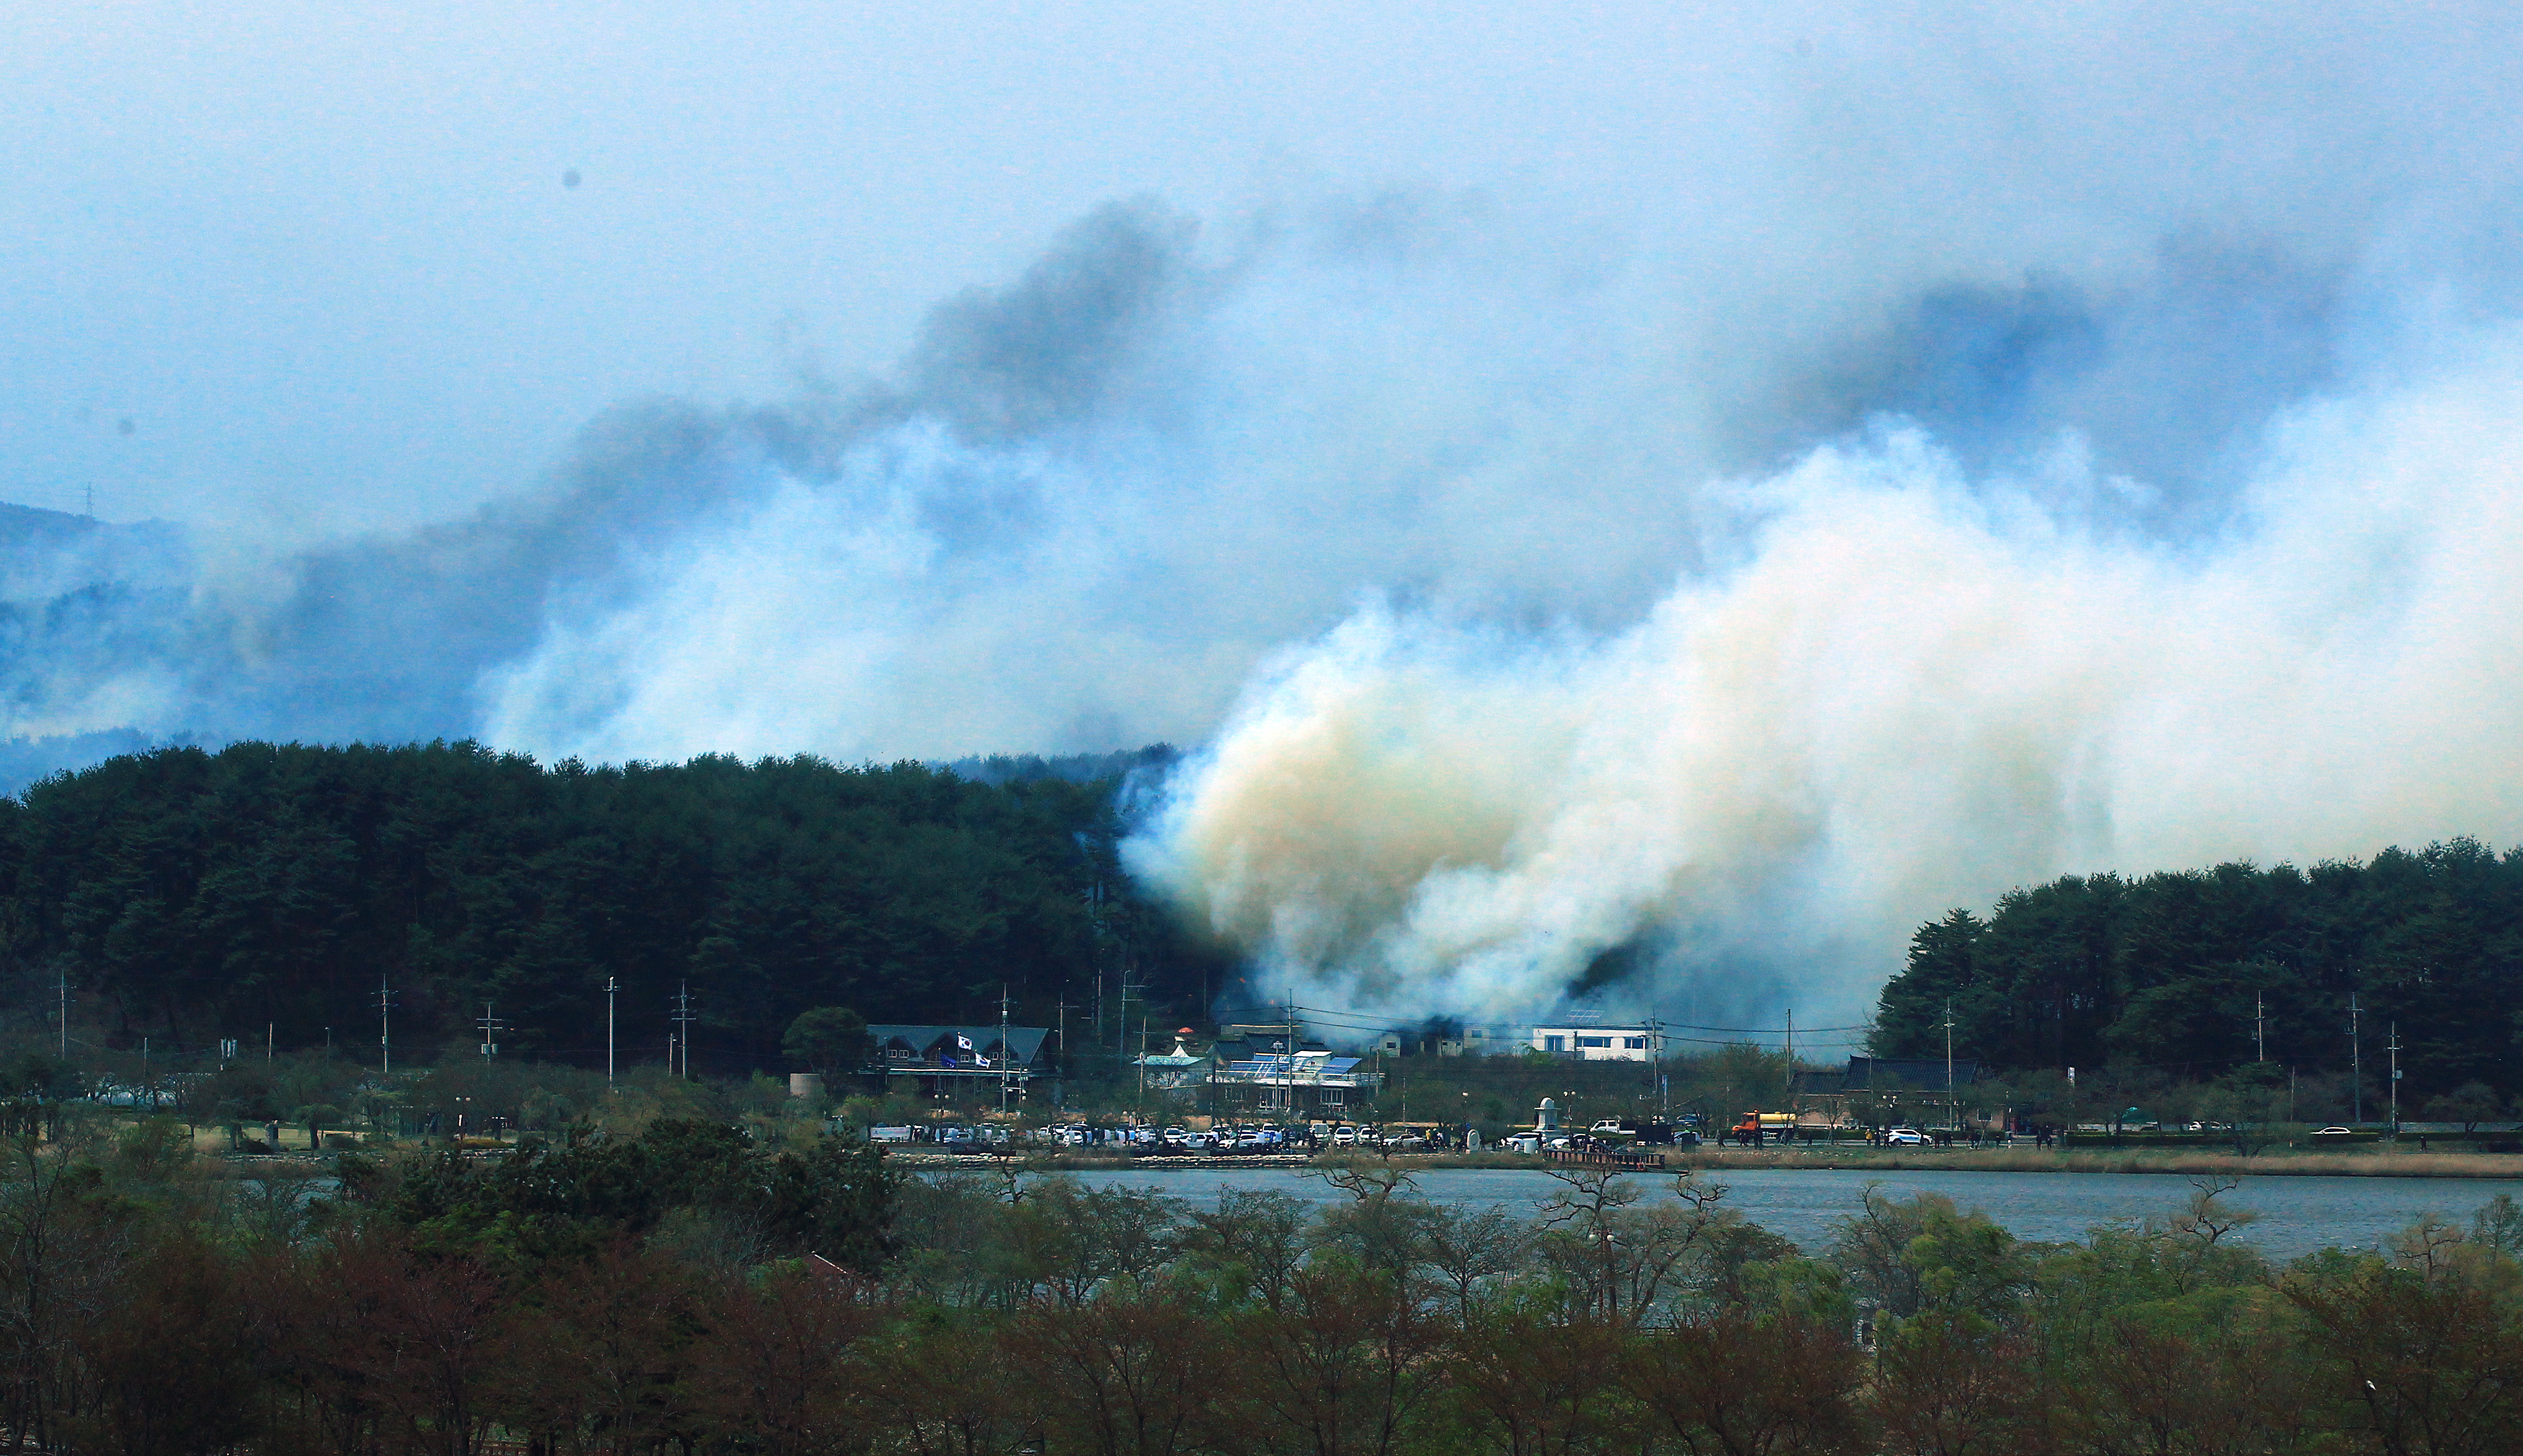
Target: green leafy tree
[2470, 1105]
[829, 1039]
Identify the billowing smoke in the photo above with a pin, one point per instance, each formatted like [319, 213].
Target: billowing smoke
[1913, 690]
[1977, 450]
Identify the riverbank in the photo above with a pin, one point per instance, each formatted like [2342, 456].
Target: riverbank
[2374, 1161]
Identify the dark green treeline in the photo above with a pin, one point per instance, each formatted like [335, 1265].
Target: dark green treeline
[190, 896]
[2167, 972]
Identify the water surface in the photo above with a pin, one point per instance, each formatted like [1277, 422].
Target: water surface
[2297, 1214]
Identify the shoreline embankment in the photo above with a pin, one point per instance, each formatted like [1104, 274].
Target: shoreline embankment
[2365, 1162]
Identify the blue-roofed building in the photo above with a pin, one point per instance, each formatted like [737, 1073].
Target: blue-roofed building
[1293, 1082]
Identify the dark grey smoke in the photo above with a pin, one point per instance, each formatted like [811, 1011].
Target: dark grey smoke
[386, 638]
[2169, 384]
[1132, 383]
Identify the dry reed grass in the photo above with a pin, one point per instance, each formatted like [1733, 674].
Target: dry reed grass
[2376, 1162]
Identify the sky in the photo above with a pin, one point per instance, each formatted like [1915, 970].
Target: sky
[1590, 485]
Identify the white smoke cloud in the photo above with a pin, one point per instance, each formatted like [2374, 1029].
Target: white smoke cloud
[1802, 470]
[1915, 690]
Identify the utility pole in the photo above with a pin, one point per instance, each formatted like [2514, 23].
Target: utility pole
[2260, 1027]
[66, 1013]
[1095, 920]
[1792, 1062]
[490, 1029]
[2355, 1064]
[610, 986]
[1950, 1119]
[2395, 1079]
[1060, 1063]
[267, 1028]
[1003, 1045]
[1121, 1014]
[385, 1025]
[1288, 1064]
[682, 1020]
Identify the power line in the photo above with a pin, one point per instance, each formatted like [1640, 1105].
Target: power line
[1359, 1020]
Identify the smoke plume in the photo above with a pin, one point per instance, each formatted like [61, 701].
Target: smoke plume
[1973, 451]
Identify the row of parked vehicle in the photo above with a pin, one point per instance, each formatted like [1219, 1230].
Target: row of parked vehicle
[1259, 1136]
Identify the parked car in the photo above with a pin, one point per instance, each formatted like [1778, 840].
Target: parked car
[1904, 1137]
[2335, 1131]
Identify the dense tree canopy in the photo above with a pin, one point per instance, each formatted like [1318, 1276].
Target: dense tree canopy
[197, 895]
[2169, 971]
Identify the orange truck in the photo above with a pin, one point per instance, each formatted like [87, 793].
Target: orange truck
[1757, 1123]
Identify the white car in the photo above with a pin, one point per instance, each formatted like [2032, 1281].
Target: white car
[1904, 1137]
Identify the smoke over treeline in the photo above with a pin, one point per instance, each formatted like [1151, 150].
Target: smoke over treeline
[2016, 449]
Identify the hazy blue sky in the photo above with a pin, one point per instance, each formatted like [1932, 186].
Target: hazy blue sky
[321, 255]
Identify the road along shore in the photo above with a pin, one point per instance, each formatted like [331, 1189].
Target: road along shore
[2375, 1161]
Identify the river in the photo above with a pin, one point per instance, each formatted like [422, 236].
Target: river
[2297, 1214]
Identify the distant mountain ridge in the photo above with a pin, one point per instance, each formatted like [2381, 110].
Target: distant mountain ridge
[47, 554]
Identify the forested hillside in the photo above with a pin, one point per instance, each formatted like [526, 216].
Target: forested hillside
[189, 896]
[2167, 972]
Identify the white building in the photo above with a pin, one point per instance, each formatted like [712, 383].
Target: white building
[1612, 1043]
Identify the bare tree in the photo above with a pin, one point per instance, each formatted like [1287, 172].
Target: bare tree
[1460, 1248]
[1623, 1259]
[60, 1266]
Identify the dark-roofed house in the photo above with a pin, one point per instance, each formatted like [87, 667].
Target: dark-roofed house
[1913, 1090]
[1891, 1074]
[949, 1059]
